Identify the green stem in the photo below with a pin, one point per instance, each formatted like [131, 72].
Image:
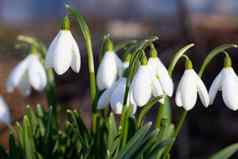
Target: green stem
[146, 109]
[164, 112]
[51, 94]
[176, 58]
[213, 54]
[171, 67]
[159, 116]
[88, 44]
[177, 130]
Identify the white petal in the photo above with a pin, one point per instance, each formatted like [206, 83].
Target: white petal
[152, 63]
[117, 96]
[16, 75]
[229, 88]
[178, 96]
[142, 90]
[131, 101]
[165, 79]
[156, 88]
[60, 54]
[49, 60]
[4, 112]
[107, 71]
[202, 91]
[215, 87]
[37, 74]
[24, 86]
[76, 61]
[188, 89]
[104, 99]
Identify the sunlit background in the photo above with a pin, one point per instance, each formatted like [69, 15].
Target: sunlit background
[207, 23]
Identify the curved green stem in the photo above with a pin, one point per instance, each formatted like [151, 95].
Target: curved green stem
[213, 54]
[177, 56]
[88, 44]
[164, 110]
[177, 130]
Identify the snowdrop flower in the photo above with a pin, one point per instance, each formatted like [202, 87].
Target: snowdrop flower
[226, 82]
[29, 72]
[189, 85]
[108, 69]
[142, 90]
[115, 97]
[63, 51]
[4, 112]
[162, 82]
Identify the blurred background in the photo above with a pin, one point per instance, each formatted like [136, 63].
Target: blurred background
[207, 23]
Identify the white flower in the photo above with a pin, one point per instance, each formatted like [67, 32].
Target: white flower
[63, 53]
[29, 72]
[115, 97]
[4, 112]
[189, 85]
[161, 77]
[226, 82]
[108, 70]
[142, 85]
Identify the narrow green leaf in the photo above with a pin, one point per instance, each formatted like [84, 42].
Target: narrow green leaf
[226, 153]
[134, 143]
[112, 131]
[28, 139]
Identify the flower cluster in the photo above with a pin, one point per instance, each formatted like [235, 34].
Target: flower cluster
[128, 84]
[151, 78]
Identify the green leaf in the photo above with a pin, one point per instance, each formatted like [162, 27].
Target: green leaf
[226, 153]
[28, 139]
[134, 143]
[112, 131]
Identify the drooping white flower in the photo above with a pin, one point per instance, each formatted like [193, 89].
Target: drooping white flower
[142, 85]
[29, 72]
[63, 53]
[115, 97]
[5, 116]
[226, 82]
[189, 85]
[161, 74]
[118, 95]
[108, 70]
